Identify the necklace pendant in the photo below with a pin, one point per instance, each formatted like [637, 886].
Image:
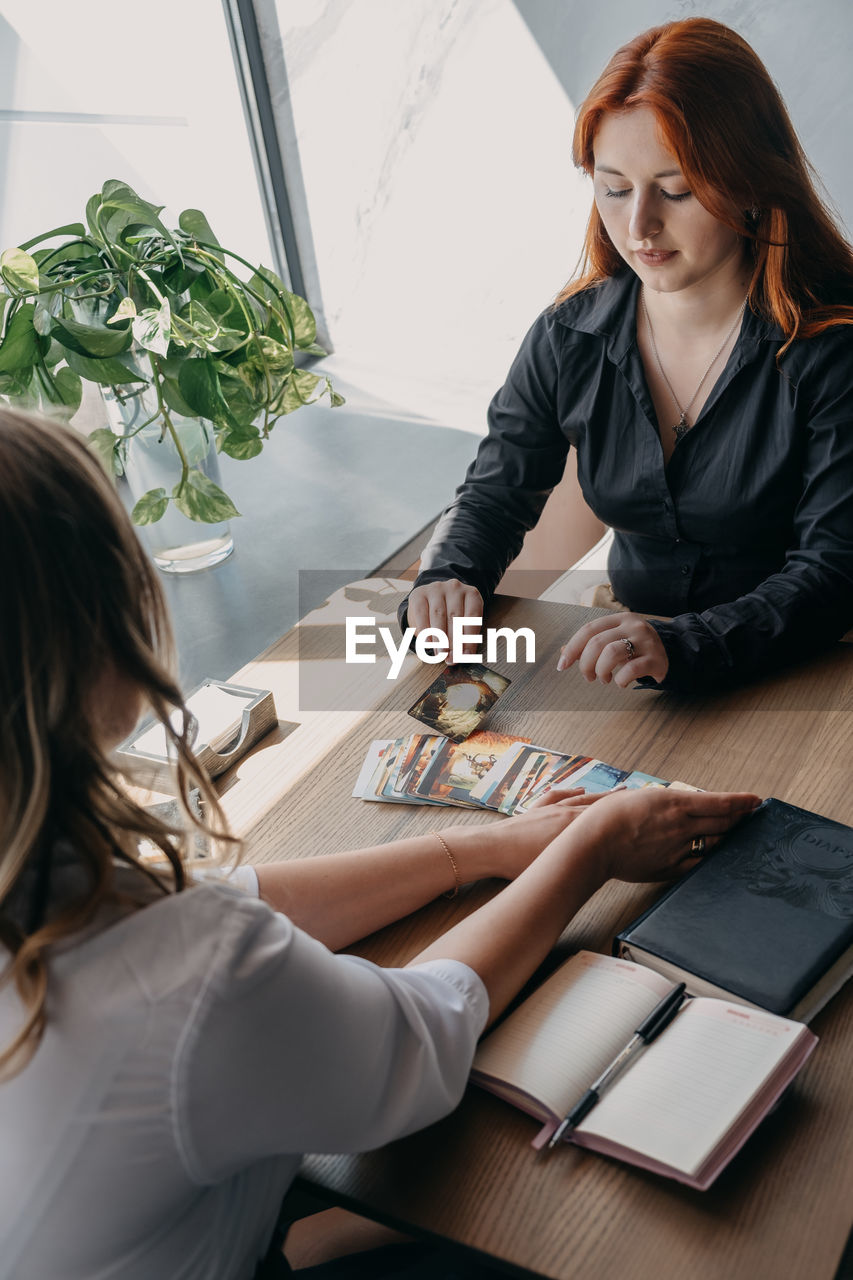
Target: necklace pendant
[681, 428]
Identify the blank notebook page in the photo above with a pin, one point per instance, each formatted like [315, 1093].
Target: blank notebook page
[681, 1095]
[555, 1044]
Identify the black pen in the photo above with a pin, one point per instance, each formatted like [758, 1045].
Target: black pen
[661, 1016]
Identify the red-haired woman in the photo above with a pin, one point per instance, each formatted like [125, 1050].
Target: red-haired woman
[702, 367]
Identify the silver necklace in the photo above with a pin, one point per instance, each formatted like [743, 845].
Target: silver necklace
[682, 426]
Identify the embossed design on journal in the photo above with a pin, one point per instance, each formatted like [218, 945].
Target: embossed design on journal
[805, 863]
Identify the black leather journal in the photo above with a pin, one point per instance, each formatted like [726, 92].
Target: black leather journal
[765, 919]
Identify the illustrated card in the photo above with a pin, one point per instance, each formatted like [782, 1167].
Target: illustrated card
[509, 783]
[458, 701]
[372, 760]
[406, 756]
[565, 771]
[385, 769]
[637, 780]
[603, 777]
[417, 759]
[414, 747]
[541, 766]
[457, 767]
[380, 770]
[492, 787]
[529, 771]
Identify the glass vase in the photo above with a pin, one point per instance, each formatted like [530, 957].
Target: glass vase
[177, 544]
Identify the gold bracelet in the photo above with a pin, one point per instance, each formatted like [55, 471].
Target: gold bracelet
[451, 893]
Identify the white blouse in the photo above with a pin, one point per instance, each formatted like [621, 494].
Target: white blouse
[194, 1049]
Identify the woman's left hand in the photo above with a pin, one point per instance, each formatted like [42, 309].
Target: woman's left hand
[620, 648]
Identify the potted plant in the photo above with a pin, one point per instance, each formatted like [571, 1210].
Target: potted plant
[194, 349]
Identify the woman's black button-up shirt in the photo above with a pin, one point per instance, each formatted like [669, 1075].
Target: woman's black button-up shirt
[744, 539]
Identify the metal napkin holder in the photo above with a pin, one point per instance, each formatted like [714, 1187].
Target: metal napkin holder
[259, 716]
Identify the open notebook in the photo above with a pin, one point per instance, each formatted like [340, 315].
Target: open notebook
[683, 1107]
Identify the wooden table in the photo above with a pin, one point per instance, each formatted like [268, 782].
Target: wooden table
[783, 1209]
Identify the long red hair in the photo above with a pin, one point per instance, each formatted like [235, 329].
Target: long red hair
[722, 117]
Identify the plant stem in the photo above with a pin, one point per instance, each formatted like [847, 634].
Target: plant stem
[143, 275]
[185, 465]
[147, 423]
[7, 319]
[63, 285]
[45, 373]
[63, 247]
[57, 231]
[229, 280]
[288, 318]
[107, 247]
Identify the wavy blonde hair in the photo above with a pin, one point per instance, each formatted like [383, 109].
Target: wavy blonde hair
[80, 600]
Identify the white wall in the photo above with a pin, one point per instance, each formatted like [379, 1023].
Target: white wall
[434, 141]
[98, 89]
[435, 146]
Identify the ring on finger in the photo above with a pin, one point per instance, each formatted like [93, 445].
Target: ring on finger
[629, 648]
[697, 846]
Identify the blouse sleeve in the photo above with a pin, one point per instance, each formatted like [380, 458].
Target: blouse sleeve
[517, 465]
[292, 1048]
[808, 604]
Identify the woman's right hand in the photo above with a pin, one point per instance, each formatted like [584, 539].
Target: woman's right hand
[648, 835]
[506, 847]
[437, 603]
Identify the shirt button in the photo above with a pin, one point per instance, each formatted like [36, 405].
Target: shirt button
[685, 569]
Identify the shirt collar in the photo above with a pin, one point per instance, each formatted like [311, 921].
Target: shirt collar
[609, 309]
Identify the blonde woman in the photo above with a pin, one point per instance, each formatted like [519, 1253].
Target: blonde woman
[169, 1049]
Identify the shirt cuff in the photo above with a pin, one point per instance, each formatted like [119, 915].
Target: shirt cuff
[243, 877]
[466, 981]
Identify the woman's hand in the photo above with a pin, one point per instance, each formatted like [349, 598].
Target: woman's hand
[620, 648]
[438, 603]
[506, 847]
[648, 835]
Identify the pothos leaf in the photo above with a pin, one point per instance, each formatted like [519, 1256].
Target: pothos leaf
[174, 399]
[69, 387]
[125, 310]
[16, 385]
[198, 498]
[195, 326]
[304, 325]
[108, 372]
[152, 328]
[199, 385]
[151, 507]
[94, 339]
[196, 225]
[70, 229]
[19, 271]
[118, 196]
[42, 320]
[22, 346]
[241, 442]
[104, 443]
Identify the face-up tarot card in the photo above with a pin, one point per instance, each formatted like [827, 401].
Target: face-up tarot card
[457, 767]
[458, 701]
